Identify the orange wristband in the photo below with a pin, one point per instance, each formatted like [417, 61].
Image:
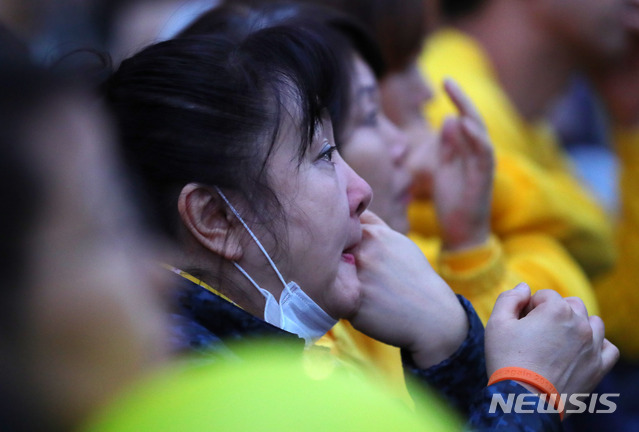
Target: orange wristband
[529, 377]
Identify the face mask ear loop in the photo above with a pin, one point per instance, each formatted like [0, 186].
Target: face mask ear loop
[259, 245]
[246, 275]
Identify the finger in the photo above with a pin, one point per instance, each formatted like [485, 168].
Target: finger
[370, 218]
[598, 331]
[544, 296]
[450, 137]
[510, 304]
[577, 306]
[477, 138]
[609, 356]
[461, 101]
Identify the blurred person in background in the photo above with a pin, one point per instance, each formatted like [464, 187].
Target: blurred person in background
[514, 59]
[581, 125]
[514, 88]
[82, 316]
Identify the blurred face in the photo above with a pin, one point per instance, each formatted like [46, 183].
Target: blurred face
[591, 28]
[404, 94]
[377, 151]
[96, 321]
[322, 199]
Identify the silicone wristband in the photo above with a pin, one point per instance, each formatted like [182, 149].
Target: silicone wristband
[529, 377]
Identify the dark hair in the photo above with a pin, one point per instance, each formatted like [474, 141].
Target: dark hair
[340, 33]
[398, 27]
[454, 9]
[196, 108]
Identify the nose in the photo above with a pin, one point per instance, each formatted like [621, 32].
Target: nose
[397, 140]
[359, 192]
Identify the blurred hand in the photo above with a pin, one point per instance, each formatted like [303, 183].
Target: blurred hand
[550, 335]
[463, 180]
[422, 157]
[403, 301]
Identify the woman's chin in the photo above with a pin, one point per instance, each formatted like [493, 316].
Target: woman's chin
[346, 292]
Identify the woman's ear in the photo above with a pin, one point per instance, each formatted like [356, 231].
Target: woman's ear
[208, 219]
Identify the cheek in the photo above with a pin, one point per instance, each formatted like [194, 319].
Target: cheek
[394, 104]
[318, 222]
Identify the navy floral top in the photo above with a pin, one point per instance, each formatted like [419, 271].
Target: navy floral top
[203, 322]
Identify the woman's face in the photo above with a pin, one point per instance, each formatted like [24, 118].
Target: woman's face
[377, 150]
[404, 94]
[322, 199]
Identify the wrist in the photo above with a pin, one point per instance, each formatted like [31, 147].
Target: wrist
[454, 241]
[434, 346]
[532, 381]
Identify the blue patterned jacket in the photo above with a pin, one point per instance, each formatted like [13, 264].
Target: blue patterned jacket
[204, 323]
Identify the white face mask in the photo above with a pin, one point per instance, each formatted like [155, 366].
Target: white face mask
[296, 312]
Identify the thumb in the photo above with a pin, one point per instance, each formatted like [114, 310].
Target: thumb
[510, 304]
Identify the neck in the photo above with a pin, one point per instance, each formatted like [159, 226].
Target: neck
[224, 277]
[532, 68]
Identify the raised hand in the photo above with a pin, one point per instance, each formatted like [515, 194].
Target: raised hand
[463, 180]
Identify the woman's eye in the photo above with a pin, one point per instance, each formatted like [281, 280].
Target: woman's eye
[327, 153]
[371, 118]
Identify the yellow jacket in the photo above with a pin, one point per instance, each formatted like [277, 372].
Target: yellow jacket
[483, 273]
[539, 210]
[535, 190]
[618, 291]
[536, 193]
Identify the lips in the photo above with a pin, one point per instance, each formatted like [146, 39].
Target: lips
[349, 258]
[348, 255]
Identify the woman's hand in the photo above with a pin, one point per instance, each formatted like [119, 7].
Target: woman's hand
[550, 335]
[403, 301]
[422, 157]
[463, 179]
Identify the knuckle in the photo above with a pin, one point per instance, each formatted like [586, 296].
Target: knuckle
[597, 321]
[506, 295]
[584, 330]
[559, 309]
[615, 353]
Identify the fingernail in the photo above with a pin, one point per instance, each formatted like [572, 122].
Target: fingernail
[522, 287]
